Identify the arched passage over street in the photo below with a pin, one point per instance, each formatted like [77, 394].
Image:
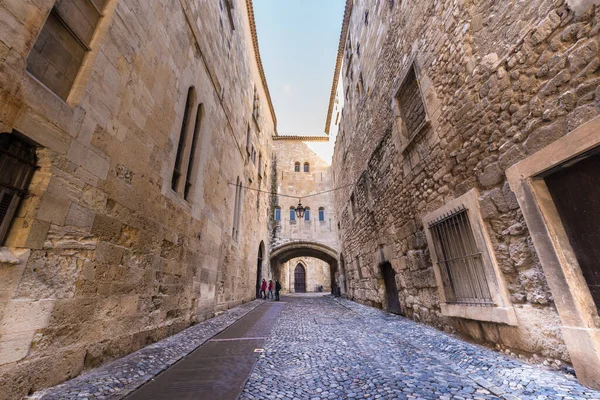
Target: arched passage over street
[295, 249]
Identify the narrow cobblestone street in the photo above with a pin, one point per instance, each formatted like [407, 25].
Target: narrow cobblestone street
[321, 348]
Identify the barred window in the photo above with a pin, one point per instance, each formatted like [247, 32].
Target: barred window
[460, 260]
[17, 164]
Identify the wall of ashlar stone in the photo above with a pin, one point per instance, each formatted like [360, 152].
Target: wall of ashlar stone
[300, 185]
[318, 273]
[103, 257]
[500, 80]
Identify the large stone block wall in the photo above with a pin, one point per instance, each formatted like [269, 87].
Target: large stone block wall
[500, 81]
[318, 273]
[299, 185]
[103, 257]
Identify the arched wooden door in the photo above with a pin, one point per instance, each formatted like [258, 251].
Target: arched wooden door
[300, 279]
[391, 291]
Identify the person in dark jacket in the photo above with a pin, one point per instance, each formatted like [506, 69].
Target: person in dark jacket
[263, 289]
[277, 289]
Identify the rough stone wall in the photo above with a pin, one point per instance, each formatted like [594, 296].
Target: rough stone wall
[500, 81]
[300, 185]
[318, 273]
[103, 257]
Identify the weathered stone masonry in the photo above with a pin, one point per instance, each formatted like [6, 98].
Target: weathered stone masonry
[499, 81]
[103, 256]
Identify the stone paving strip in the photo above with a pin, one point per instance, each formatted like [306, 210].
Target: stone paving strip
[119, 378]
[337, 349]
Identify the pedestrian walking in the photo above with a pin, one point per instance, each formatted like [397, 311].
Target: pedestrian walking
[263, 289]
[277, 289]
[270, 289]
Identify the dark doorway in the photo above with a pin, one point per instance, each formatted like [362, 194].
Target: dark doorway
[575, 189]
[391, 291]
[259, 262]
[300, 279]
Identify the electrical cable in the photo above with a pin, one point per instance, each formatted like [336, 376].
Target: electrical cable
[293, 197]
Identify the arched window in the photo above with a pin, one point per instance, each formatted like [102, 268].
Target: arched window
[292, 214]
[237, 207]
[17, 164]
[321, 214]
[192, 167]
[306, 167]
[307, 214]
[181, 146]
[297, 167]
[277, 213]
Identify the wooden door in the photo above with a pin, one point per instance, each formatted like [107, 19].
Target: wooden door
[391, 291]
[575, 190]
[300, 279]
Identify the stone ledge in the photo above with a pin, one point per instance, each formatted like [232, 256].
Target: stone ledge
[501, 315]
[123, 376]
[8, 257]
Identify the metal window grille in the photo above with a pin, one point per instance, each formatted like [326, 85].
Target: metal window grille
[17, 164]
[459, 259]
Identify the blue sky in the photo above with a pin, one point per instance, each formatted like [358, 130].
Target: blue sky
[298, 46]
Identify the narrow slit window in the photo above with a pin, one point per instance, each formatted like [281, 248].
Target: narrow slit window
[192, 167]
[181, 146]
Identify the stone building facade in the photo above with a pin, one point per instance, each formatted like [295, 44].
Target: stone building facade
[301, 175]
[458, 118]
[137, 127]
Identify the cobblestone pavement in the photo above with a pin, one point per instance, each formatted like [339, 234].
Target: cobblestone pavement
[119, 378]
[321, 348]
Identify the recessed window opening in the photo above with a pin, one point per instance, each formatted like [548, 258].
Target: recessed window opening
[297, 167]
[307, 213]
[322, 214]
[63, 42]
[306, 167]
[277, 213]
[459, 260]
[17, 165]
[292, 214]
[192, 167]
[181, 146]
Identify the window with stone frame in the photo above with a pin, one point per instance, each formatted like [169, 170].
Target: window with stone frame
[468, 278]
[256, 109]
[296, 167]
[409, 108]
[183, 142]
[229, 9]
[237, 209]
[17, 165]
[277, 213]
[63, 43]
[322, 214]
[292, 215]
[306, 167]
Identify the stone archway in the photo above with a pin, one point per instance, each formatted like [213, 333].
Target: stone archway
[259, 263]
[295, 249]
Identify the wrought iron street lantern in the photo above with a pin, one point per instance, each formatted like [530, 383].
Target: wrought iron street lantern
[300, 210]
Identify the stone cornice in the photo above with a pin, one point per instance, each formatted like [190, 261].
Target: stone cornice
[302, 138]
[338, 64]
[263, 78]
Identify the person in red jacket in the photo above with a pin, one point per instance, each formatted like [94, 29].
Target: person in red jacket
[263, 289]
[270, 289]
